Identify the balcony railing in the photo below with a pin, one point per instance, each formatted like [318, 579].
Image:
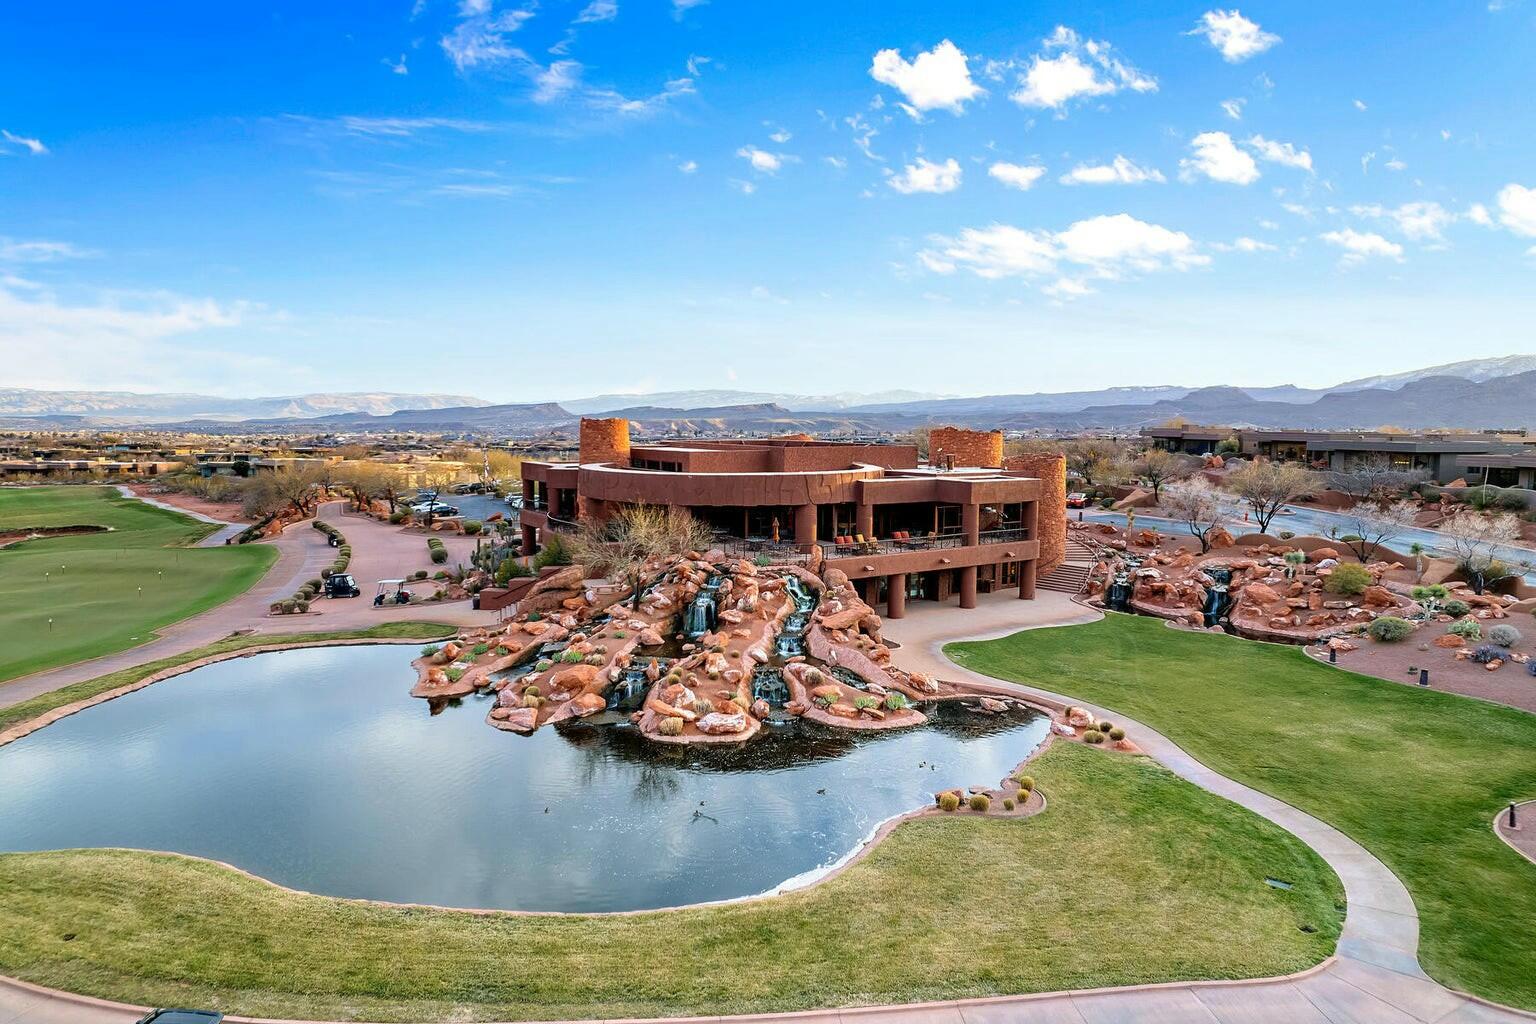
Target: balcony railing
[892, 546]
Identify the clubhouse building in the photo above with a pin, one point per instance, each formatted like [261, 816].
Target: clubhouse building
[960, 524]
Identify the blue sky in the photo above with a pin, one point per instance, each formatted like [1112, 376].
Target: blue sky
[545, 199]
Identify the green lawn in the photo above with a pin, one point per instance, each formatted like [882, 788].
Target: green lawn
[1413, 775]
[105, 592]
[1131, 875]
[403, 630]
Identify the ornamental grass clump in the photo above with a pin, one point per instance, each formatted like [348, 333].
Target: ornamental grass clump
[1456, 609]
[1348, 579]
[1504, 636]
[980, 802]
[949, 801]
[1007, 803]
[1390, 629]
[1117, 734]
[1026, 782]
[1093, 736]
[670, 726]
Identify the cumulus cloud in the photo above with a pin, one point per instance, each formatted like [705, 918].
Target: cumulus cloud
[1120, 171]
[1106, 247]
[1069, 68]
[1517, 209]
[1236, 37]
[480, 37]
[1246, 244]
[761, 160]
[927, 176]
[1360, 246]
[1213, 155]
[937, 80]
[555, 81]
[1420, 221]
[33, 146]
[688, 166]
[1280, 152]
[1019, 176]
[1478, 214]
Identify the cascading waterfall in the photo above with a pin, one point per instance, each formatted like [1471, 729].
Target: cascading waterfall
[791, 639]
[700, 616]
[1117, 597]
[1218, 599]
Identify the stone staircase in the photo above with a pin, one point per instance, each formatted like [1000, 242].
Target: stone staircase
[1071, 575]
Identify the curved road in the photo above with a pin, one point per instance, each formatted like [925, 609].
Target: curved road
[1374, 978]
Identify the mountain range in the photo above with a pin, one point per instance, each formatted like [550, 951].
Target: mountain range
[1471, 394]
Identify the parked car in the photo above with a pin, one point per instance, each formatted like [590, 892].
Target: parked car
[341, 584]
[434, 508]
[171, 1016]
[1077, 499]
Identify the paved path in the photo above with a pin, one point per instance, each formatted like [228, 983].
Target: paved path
[1374, 978]
[1523, 836]
[226, 530]
[378, 551]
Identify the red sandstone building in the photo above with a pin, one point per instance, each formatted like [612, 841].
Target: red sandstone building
[959, 525]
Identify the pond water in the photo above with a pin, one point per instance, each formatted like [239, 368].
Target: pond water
[313, 768]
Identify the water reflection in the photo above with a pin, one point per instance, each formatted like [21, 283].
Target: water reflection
[314, 769]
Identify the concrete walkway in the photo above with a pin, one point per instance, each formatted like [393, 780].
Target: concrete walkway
[379, 551]
[1373, 979]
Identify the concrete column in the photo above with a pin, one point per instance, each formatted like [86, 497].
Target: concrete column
[530, 540]
[1031, 519]
[970, 524]
[968, 587]
[864, 521]
[1027, 580]
[805, 526]
[896, 595]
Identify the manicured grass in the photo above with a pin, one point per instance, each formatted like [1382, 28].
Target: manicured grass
[105, 592]
[1131, 875]
[101, 684]
[1413, 775]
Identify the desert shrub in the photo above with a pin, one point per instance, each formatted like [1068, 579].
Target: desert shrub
[1467, 629]
[439, 556]
[1348, 578]
[1511, 499]
[532, 700]
[1530, 667]
[1117, 734]
[1007, 803]
[328, 572]
[543, 665]
[430, 649]
[276, 607]
[1104, 725]
[290, 606]
[895, 701]
[1504, 636]
[865, 703]
[824, 701]
[313, 584]
[949, 801]
[1488, 652]
[554, 552]
[1286, 534]
[703, 705]
[301, 606]
[473, 526]
[397, 517]
[814, 677]
[1093, 736]
[670, 726]
[421, 574]
[1456, 608]
[1480, 497]
[479, 649]
[569, 656]
[1026, 782]
[1390, 629]
[454, 674]
[980, 802]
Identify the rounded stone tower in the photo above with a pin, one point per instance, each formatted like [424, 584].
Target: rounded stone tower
[979, 448]
[604, 441]
[1051, 524]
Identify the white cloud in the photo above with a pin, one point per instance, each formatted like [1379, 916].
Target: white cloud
[616, 102]
[761, 160]
[1246, 244]
[688, 166]
[936, 80]
[598, 10]
[927, 176]
[1281, 152]
[1478, 214]
[13, 251]
[1104, 248]
[1359, 246]
[1019, 176]
[1233, 108]
[556, 80]
[781, 136]
[1420, 221]
[681, 7]
[33, 146]
[1360, 104]
[1234, 35]
[397, 66]
[1079, 69]
[481, 37]
[391, 127]
[1118, 172]
[1215, 157]
[836, 161]
[746, 188]
[1517, 209]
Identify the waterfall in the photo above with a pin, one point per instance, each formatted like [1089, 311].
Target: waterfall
[700, 616]
[1218, 601]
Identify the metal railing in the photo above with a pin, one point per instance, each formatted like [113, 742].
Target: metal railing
[889, 546]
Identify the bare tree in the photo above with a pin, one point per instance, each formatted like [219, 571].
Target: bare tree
[1095, 459]
[1374, 478]
[1372, 525]
[1158, 467]
[370, 481]
[633, 537]
[296, 488]
[1265, 487]
[1196, 504]
[1475, 539]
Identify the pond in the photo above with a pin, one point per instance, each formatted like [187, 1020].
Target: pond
[313, 768]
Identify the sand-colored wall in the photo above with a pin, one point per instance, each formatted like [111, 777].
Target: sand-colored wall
[1052, 503]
